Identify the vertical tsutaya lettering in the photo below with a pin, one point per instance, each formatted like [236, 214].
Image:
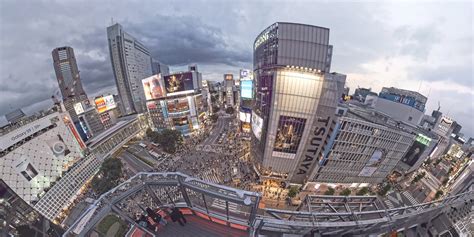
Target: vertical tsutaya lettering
[315, 145]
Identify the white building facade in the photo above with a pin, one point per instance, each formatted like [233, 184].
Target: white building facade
[131, 62]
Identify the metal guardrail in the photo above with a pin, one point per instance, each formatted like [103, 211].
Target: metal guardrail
[332, 215]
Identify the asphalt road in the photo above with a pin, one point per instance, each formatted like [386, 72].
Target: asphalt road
[136, 164]
[218, 129]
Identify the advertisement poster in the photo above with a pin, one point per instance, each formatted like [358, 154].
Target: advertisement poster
[372, 165]
[152, 87]
[257, 124]
[414, 153]
[179, 82]
[105, 103]
[288, 136]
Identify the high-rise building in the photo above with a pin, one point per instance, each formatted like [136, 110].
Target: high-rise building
[67, 74]
[229, 85]
[159, 67]
[131, 62]
[295, 100]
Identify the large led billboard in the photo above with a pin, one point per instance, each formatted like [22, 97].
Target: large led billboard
[246, 87]
[288, 136]
[152, 87]
[178, 82]
[257, 124]
[105, 103]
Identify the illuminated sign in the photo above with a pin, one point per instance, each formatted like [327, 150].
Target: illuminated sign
[261, 39]
[246, 89]
[244, 117]
[152, 87]
[228, 77]
[105, 103]
[423, 139]
[78, 108]
[178, 82]
[244, 73]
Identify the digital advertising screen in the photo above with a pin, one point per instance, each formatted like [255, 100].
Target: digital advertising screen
[178, 82]
[288, 135]
[246, 88]
[257, 124]
[152, 87]
[105, 103]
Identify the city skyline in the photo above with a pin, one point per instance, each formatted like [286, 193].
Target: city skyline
[420, 52]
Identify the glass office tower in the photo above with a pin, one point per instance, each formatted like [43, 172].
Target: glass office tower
[295, 100]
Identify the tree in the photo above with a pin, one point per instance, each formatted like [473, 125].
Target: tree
[384, 190]
[108, 176]
[438, 194]
[293, 191]
[363, 191]
[215, 109]
[169, 140]
[330, 191]
[214, 117]
[418, 177]
[229, 110]
[346, 192]
[213, 99]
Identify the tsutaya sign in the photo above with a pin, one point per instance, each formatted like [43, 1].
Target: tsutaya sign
[314, 146]
[313, 150]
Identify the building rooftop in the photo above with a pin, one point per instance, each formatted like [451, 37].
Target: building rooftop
[123, 121]
[26, 120]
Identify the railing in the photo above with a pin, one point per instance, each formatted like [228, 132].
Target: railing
[332, 215]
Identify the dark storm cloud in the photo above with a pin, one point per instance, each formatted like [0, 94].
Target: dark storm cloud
[186, 39]
[218, 36]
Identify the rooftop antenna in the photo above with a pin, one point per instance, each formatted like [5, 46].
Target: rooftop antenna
[111, 21]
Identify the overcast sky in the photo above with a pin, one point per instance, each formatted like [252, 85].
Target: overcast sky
[425, 47]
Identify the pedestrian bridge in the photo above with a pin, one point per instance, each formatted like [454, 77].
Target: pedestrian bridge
[242, 212]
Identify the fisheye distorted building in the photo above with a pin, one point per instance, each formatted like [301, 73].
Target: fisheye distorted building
[131, 62]
[295, 99]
